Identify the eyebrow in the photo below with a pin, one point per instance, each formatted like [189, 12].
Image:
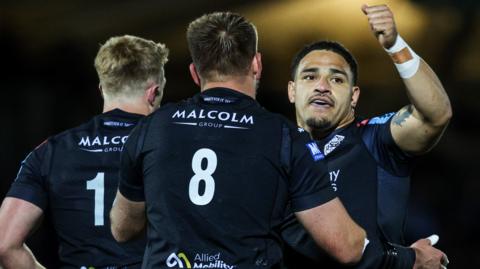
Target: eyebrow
[309, 70]
[338, 71]
[332, 70]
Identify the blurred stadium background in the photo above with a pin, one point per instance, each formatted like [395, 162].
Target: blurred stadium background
[49, 83]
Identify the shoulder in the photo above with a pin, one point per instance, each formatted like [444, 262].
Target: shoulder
[375, 132]
[84, 127]
[280, 119]
[372, 126]
[374, 121]
[167, 109]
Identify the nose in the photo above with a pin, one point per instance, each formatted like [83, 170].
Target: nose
[322, 86]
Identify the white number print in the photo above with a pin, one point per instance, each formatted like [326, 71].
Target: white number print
[97, 184]
[202, 175]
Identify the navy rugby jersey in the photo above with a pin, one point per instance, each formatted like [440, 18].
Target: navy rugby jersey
[370, 174]
[74, 175]
[216, 173]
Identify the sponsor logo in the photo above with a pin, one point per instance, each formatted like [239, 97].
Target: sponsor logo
[315, 151]
[333, 144]
[213, 119]
[333, 178]
[381, 119]
[117, 124]
[102, 143]
[178, 261]
[201, 260]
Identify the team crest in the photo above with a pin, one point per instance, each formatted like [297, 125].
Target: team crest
[333, 144]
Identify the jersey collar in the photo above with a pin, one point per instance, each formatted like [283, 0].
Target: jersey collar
[224, 96]
[122, 114]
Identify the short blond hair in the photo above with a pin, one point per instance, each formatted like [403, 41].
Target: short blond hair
[126, 64]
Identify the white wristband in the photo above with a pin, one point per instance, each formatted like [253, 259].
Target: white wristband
[399, 51]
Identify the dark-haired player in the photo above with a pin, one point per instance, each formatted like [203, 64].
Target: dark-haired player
[369, 160]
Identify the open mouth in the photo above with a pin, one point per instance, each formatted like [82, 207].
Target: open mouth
[322, 102]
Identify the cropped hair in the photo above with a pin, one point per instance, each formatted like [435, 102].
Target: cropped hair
[329, 46]
[126, 64]
[222, 44]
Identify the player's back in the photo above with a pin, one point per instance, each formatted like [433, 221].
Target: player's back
[215, 185]
[79, 175]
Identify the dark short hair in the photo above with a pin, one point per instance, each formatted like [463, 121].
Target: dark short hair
[222, 43]
[330, 46]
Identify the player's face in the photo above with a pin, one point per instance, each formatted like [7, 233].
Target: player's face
[322, 91]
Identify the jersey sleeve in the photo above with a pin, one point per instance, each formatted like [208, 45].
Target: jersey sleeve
[30, 184]
[131, 175]
[309, 183]
[378, 138]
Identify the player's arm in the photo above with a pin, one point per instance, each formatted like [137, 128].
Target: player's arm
[315, 203]
[17, 219]
[333, 230]
[417, 127]
[127, 218]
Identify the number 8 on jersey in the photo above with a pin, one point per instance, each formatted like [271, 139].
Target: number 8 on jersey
[205, 175]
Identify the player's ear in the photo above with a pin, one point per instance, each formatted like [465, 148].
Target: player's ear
[194, 74]
[101, 90]
[152, 93]
[355, 96]
[291, 91]
[257, 65]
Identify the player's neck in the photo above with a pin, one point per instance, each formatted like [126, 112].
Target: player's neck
[241, 84]
[320, 133]
[136, 107]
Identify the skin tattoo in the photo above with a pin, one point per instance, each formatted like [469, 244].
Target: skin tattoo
[402, 115]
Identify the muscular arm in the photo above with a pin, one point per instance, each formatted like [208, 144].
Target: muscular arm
[127, 218]
[333, 230]
[17, 220]
[417, 127]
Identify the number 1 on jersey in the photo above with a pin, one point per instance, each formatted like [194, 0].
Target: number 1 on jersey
[202, 175]
[97, 184]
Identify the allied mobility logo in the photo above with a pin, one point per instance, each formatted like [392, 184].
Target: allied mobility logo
[178, 261]
[201, 260]
[213, 119]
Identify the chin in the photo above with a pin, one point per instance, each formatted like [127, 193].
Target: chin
[318, 123]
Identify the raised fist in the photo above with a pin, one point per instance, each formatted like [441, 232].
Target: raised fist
[382, 24]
